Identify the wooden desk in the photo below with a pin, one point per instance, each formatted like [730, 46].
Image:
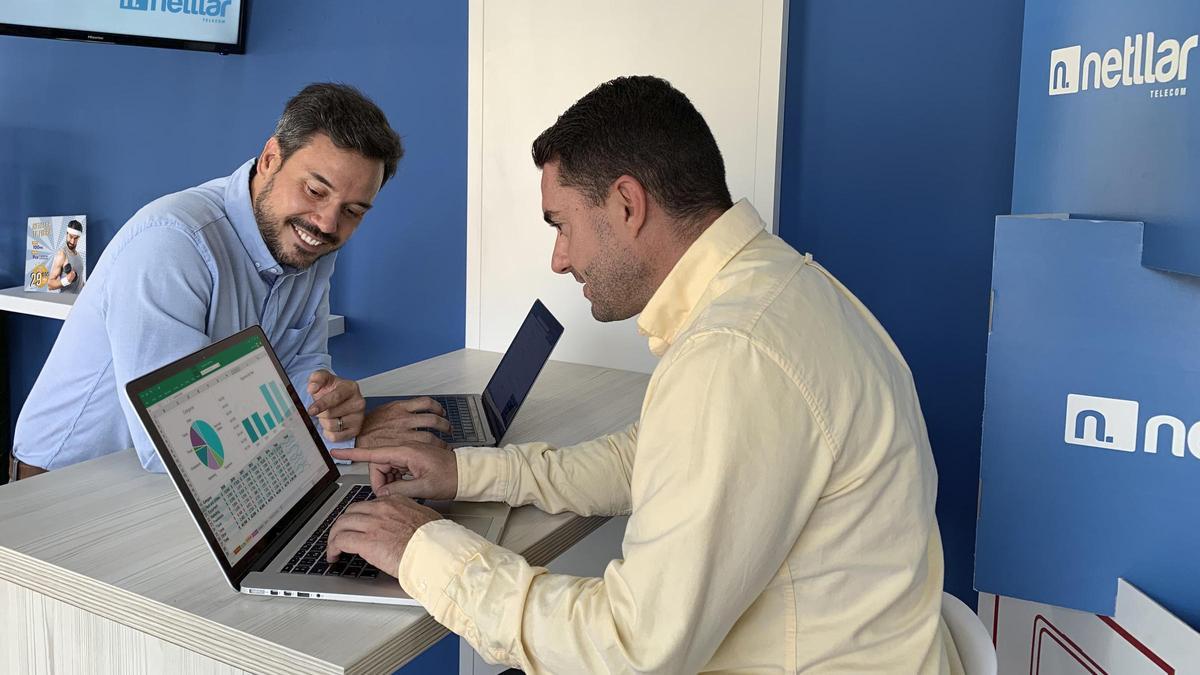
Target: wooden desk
[102, 570]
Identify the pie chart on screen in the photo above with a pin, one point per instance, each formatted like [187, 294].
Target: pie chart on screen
[207, 445]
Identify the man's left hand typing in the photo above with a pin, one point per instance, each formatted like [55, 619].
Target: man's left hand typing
[378, 530]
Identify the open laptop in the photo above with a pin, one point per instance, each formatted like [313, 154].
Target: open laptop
[482, 419]
[257, 478]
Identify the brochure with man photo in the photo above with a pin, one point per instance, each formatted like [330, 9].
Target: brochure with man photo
[56, 258]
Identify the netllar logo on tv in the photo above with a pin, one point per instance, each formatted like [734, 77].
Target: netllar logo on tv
[209, 10]
[1144, 60]
[1113, 424]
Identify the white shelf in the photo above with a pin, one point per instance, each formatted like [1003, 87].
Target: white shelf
[58, 305]
[337, 324]
[49, 305]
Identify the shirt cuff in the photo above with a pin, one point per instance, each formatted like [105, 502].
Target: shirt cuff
[434, 558]
[337, 445]
[348, 443]
[485, 474]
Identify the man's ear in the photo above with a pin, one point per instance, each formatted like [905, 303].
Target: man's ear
[629, 199]
[270, 159]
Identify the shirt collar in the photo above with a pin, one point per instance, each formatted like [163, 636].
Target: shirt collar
[241, 214]
[674, 301]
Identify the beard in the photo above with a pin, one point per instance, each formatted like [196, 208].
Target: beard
[616, 278]
[271, 227]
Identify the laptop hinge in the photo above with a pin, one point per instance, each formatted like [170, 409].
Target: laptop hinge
[296, 525]
[495, 421]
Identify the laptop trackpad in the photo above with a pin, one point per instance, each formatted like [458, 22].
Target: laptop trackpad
[487, 519]
[477, 524]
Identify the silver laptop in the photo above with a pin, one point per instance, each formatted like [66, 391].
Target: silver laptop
[483, 419]
[257, 478]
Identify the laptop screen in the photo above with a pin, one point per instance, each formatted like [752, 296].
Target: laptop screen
[520, 366]
[241, 448]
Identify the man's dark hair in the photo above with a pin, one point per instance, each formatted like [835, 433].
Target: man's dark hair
[350, 119]
[643, 127]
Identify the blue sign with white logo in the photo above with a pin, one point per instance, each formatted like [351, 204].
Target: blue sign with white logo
[1109, 119]
[1091, 437]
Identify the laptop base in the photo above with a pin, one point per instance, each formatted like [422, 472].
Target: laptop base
[487, 519]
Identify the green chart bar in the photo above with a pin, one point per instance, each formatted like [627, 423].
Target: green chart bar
[283, 401]
[271, 402]
[262, 430]
[270, 421]
[250, 431]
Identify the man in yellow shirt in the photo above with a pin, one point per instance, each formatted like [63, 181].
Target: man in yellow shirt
[779, 482]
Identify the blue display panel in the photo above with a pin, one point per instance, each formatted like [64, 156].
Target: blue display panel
[1091, 435]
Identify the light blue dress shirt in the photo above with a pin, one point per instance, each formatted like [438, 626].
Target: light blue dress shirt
[188, 269]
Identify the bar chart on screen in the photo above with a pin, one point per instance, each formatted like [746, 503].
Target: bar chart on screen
[258, 425]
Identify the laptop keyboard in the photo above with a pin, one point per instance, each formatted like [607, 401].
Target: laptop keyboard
[310, 559]
[458, 413]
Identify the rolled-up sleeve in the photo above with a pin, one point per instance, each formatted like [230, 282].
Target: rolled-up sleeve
[731, 460]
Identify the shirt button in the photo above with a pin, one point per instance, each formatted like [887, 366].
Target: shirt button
[258, 265]
[421, 586]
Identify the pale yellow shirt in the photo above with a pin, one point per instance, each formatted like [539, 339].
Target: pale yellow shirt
[779, 484]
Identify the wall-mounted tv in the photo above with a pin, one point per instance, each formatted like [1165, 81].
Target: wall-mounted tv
[203, 25]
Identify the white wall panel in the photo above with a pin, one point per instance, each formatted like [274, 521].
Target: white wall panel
[529, 61]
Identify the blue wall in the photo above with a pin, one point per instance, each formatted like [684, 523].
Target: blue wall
[101, 130]
[899, 130]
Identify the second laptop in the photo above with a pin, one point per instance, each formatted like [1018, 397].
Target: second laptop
[483, 419]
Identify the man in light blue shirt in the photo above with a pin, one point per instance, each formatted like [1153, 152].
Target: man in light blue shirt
[193, 267]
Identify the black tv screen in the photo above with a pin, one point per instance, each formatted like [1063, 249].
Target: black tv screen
[204, 25]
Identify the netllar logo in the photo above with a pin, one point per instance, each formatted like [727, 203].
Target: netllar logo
[1102, 422]
[1112, 423]
[210, 10]
[1143, 61]
[1064, 70]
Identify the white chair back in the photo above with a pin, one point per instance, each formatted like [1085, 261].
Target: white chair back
[970, 637]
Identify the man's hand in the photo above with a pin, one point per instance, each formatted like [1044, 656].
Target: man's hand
[71, 277]
[414, 470]
[378, 530]
[337, 404]
[403, 422]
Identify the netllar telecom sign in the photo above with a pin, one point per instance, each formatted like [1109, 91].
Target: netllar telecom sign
[1145, 60]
